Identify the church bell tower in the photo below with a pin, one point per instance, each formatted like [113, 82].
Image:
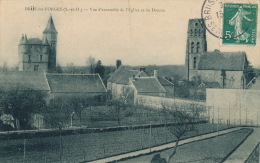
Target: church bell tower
[196, 46]
[50, 33]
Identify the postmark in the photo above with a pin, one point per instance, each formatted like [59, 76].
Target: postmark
[212, 15]
[239, 24]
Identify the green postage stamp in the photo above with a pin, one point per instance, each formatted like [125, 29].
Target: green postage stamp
[239, 24]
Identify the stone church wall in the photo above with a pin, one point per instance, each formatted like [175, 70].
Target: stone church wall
[232, 80]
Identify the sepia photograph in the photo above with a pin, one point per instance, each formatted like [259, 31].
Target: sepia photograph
[129, 81]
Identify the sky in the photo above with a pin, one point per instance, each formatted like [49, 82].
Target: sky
[137, 38]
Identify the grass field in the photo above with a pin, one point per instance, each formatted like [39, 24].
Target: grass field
[92, 146]
[205, 151]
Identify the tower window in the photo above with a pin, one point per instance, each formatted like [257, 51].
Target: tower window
[196, 24]
[194, 62]
[40, 57]
[36, 68]
[198, 47]
[199, 32]
[192, 47]
[195, 32]
[191, 32]
[29, 58]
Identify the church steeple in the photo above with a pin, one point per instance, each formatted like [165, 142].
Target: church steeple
[196, 45]
[50, 28]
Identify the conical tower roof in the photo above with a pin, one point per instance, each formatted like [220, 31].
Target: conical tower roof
[50, 28]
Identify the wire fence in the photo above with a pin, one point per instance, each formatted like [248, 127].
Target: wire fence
[91, 146]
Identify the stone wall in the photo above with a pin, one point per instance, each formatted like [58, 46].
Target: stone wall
[156, 102]
[234, 106]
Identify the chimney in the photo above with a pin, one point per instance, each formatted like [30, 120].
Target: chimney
[142, 69]
[155, 73]
[118, 63]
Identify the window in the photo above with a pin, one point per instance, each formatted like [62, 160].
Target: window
[29, 58]
[191, 32]
[195, 32]
[196, 24]
[36, 68]
[199, 32]
[40, 57]
[192, 47]
[194, 62]
[198, 47]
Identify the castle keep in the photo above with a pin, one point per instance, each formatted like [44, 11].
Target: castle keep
[36, 54]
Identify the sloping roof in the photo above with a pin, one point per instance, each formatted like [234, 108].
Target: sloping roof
[254, 83]
[75, 83]
[217, 60]
[50, 28]
[212, 85]
[148, 85]
[34, 41]
[125, 79]
[24, 80]
[119, 73]
[165, 82]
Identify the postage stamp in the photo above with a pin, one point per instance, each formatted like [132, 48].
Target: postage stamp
[239, 24]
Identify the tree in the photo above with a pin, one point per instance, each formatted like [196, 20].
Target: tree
[250, 73]
[5, 67]
[100, 69]
[58, 69]
[79, 104]
[21, 102]
[57, 115]
[118, 110]
[182, 118]
[91, 61]
[70, 68]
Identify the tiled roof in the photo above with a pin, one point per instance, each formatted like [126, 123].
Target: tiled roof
[129, 74]
[148, 85]
[165, 82]
[75, 83]
[24, 80]
[50, 28]
[119, 73]
[34, 41]
[222, 61]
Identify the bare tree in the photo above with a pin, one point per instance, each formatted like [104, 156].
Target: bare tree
[118, 110]
[57, 115]
[183, 118]
[91, 63]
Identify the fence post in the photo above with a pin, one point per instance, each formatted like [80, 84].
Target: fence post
[150, 141]
[24, 149]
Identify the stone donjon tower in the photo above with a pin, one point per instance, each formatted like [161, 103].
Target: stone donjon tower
[36, 54]
[196, 46]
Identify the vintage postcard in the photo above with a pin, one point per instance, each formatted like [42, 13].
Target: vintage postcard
[129, 81]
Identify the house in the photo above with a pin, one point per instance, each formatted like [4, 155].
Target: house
[149, 86]
[76, 85]
[204, 85]
[119, 80]
[167, 85]
[227, 68]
